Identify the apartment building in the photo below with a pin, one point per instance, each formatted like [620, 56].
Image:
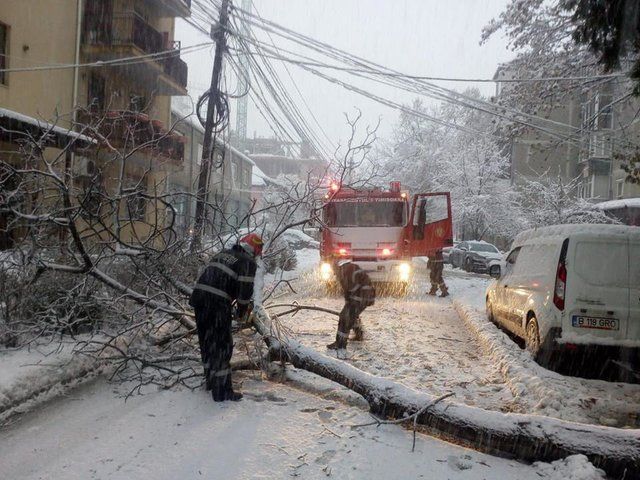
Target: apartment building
[589, 135]
[123, 66]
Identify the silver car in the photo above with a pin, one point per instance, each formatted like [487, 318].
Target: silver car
[475, 256]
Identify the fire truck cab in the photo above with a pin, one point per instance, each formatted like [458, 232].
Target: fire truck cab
[381, 230]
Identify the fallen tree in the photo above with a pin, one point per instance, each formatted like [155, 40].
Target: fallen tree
[523, 437]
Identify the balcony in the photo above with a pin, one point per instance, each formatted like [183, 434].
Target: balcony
[172, 8]
[129, 35]
[129, 130]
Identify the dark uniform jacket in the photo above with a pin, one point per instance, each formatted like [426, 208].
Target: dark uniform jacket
[436, 260]
[356, 285]
[229, 276]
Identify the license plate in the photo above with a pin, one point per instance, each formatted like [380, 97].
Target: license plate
[599, 323]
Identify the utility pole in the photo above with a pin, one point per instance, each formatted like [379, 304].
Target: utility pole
[207, 144]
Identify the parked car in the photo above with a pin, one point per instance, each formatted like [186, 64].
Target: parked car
[571, 286]
[475, 256]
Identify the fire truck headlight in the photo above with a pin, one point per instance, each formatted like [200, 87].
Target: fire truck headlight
[404, 270]
[325, 271]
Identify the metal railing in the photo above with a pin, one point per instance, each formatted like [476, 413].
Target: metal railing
[132, 29]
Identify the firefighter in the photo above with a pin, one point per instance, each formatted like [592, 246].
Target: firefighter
[436, 265]
[358, 295]
[228, 277]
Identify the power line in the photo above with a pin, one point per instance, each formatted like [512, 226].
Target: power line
[416, 86]
[110, 63]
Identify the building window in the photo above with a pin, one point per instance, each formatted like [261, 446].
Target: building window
[199, 154]
[137, 103]
[585, 189]
[4, 51]
[620, 188]
[235, 173]
[246, 174]
[604, 111]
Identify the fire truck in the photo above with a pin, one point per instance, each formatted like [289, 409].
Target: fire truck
[381, 230]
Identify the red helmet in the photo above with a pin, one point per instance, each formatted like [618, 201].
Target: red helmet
[254, 242]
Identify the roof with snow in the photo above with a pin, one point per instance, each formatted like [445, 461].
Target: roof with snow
[11, 121]
[257, 177]
[622, 203]
[576, 229]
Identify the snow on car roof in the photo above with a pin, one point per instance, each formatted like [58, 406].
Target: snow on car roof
[573, 229]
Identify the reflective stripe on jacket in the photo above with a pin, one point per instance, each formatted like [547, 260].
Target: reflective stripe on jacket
[229, 276]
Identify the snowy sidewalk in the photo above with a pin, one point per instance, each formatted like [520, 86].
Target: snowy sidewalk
[536, 389]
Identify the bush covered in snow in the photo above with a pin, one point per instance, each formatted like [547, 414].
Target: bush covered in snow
[58, 302]
[280, 256]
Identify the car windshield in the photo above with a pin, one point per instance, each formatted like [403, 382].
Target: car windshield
[365, 214]
[483, 247]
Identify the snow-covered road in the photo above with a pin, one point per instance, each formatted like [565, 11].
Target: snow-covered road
[276, 432]
[419, 342]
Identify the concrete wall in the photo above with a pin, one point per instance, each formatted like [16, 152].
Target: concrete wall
[40, 33]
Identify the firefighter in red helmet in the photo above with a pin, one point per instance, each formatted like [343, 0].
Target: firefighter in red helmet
[228, 277]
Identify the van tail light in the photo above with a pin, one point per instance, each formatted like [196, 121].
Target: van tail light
[561, 286]
[561, 278]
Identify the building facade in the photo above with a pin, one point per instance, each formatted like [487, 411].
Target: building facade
[588, 137]
[230, 181]
[125, 66]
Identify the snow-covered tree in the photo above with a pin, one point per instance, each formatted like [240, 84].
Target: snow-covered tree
[465, 159]
[554, 201]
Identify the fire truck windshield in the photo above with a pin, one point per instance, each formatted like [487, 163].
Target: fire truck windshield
[365, 214]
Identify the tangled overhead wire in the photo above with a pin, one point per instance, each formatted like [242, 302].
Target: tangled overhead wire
[221, 112]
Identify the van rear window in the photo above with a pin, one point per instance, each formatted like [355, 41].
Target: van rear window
[603, 263]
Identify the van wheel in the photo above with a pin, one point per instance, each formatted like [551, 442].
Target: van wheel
[532, 338]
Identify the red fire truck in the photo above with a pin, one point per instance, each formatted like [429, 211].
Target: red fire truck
[382, 230]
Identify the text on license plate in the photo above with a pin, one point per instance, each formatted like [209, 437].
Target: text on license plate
[600, 323]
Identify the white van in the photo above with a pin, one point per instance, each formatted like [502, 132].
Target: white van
[570, 285]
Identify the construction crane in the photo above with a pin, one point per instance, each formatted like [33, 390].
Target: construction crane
[242, 102]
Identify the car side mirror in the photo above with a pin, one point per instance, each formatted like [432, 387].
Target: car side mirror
[495, 271]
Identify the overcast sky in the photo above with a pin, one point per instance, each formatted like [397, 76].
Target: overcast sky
[420, 37]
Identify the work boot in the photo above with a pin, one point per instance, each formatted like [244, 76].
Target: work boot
[233, 396]
[358, 334]
[433, 291]
[337, 345]
[444, 292]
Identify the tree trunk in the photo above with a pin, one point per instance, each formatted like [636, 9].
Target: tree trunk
[524, 437]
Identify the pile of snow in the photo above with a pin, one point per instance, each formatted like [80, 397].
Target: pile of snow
[574, 467]
[29, 377]
[298, 240]
[545, 392]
